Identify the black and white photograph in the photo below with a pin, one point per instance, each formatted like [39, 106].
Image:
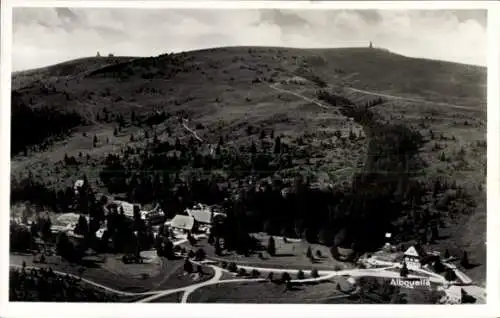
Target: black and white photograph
[248, 155]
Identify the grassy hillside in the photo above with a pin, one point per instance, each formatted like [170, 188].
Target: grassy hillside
[76, 67]
[250, 116]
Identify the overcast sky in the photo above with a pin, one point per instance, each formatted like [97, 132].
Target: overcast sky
[44, 36]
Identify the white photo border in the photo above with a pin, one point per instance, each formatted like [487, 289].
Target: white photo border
[491, 309]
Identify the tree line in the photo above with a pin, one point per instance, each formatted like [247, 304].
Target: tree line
[35, 126]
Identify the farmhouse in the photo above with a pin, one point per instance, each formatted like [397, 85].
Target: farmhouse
[66, 222]
[201, 213]
[183, 222]
[153, 217]
[412, 258]
[345, 253]
[128, 208]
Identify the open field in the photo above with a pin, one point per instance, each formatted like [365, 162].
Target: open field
[119, 277]
[29, 286]
[291, 254]
[270, 293]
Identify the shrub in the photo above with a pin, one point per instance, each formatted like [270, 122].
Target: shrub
[438, 266]
[300, 274]
[270, 276]
[404, 271]
[447, 254]
[242, 272]
[232, 267]
[255, 273]
[309, 253]
[450, 275]
[190, 254]
[188, 267]
[314, 273]
[218, 249]
[465, 260]
[271, 246]
[191, 239]
[200, 254]
[285, 277]
[223, 264]
[318, 254]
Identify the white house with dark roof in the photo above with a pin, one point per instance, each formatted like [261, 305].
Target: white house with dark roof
[183, 222]
[412, 258]
[154, 216]
[78, 184]
[128, 208]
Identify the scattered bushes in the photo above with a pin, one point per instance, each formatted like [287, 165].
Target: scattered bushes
[44, 285]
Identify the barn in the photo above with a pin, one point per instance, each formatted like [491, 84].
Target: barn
[128, 208]
[183, 222]
[412, 258]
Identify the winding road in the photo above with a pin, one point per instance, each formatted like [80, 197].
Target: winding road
[216, 279]
[93, 283]
[388, 96]
[307, 99]
[187, 289]
[184, 124]
[415, 100]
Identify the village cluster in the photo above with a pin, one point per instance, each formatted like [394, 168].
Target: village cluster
[417, 267]
[196, 219]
